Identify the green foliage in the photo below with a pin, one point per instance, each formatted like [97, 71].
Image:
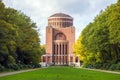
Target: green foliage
[13, 66]
[2, 68]
[106, 66]
[19, 40]
[101, 39]
[115, 67]
[42, 47]
[79, 49]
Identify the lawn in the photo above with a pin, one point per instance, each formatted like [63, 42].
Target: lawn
[62, 73]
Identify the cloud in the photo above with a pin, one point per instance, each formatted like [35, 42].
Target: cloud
[83, 11]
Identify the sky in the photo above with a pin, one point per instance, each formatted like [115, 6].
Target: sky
[83, 11]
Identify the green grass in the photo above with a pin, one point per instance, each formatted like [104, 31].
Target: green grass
[62, 73]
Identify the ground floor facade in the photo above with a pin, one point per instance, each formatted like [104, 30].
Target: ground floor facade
[60, 55]
[60, 59]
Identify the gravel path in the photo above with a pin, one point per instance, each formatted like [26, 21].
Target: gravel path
[16, 72]
[114, 72]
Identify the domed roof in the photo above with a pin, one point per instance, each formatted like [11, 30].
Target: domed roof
[60, 15]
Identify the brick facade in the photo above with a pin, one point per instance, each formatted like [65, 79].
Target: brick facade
[60, 38]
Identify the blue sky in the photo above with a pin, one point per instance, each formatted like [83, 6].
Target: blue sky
[83, 11]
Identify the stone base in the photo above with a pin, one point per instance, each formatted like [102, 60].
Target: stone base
[77, 64]
[43, 64]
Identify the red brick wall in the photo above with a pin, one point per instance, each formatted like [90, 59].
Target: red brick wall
[52, 32]
[69, 33]
[49, 40]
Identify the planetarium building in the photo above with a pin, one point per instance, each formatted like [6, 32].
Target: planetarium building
[60, 38]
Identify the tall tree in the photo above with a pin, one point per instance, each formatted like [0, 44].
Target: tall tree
[19, 40]
[101, 38]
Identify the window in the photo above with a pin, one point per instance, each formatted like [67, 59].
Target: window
[60, 36]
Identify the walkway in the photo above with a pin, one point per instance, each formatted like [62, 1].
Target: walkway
[16, 72]
[114, 72]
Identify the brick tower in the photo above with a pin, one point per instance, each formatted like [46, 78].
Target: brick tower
[60, 38]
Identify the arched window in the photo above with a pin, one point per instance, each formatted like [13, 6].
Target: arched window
[60, 36]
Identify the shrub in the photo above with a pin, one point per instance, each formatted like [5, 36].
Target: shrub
[112, 67]
[37, 66]
[20, 66]
[104, 65]
[88, 66]
[30, 66]
[2, 68]
[25, 66]
[115, 67]
[118, 66]
[13, 67]
[98, 65]
[108, 66]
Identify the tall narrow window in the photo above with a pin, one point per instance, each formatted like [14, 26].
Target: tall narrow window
[60, 49]
[54, 49]
[66, 48]
[63, 49]
[57, 50]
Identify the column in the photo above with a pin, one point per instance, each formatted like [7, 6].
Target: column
[67, 55]
[61, 53]
[46, 59]
[64, 54]
[55, 54]
[59, 24]
[74, 59]
[58, 53]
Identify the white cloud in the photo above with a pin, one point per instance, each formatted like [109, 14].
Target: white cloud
[83, 11]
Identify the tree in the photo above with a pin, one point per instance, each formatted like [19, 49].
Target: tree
[100, 40]
[19, 40]
[79, 49]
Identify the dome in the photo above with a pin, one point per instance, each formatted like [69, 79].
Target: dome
[60, 20]
[60, 15]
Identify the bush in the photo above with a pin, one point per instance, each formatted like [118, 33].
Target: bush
[25, 66]
[118, 66]
[98, 65]
[106, 66]
[13, 66]
[88, 66]
[2, 68]
[30, 66]
[112, 67]
[37, 66]
[115, 67]
[34, 66]
[21, 66]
